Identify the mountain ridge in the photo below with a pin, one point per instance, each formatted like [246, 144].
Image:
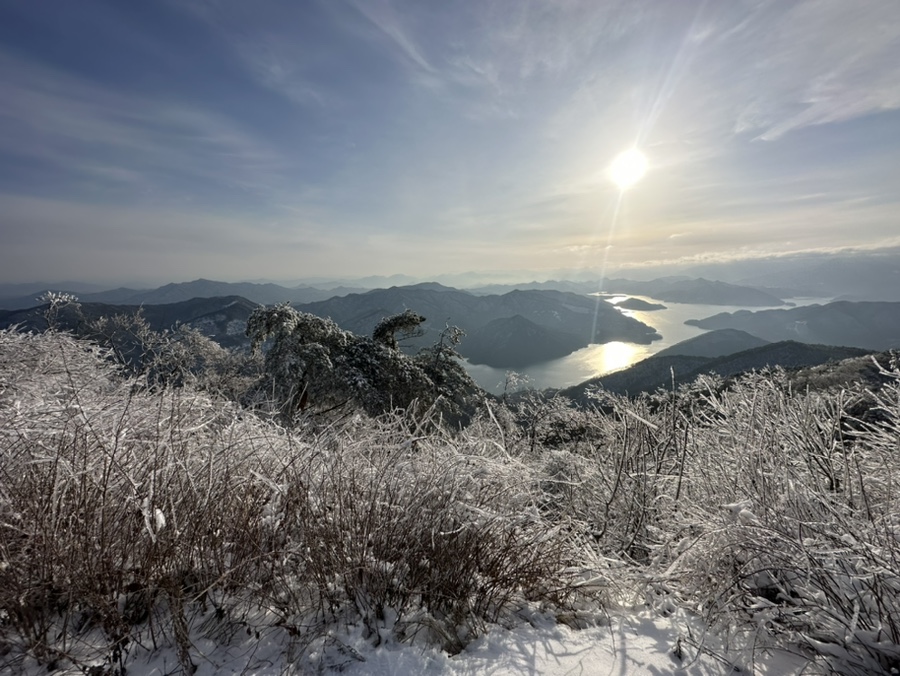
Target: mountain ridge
[561, 315]
[176, 292]
[872, 325]
[552, 323]
[657, 372]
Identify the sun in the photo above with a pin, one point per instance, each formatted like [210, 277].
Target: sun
[628, 168]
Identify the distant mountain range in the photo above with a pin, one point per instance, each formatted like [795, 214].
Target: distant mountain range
[264, 294]
[670, 289]
[520, 328]
[848, 275]
[871, 275]
[868, 325]
[33, 289]
[695, 291]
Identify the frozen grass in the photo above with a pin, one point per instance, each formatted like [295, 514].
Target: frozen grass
[171, 520]
[126, 511]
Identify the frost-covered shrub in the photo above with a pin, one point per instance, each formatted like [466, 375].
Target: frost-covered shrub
[455, 395]
[153, 516]
[136, 517]
[772, 512]
[790, 524]
[168, 358]
[410, 530]
[532, 422]
[114, 500]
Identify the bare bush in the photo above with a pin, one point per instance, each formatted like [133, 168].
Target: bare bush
[135, 512]
[174, 357]
[149, 515]
[385, 534]
[790, 525]
[770, 512]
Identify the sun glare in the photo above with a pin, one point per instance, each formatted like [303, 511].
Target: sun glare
[628, 168]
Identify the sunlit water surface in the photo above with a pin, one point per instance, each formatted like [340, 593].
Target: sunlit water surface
[595, 360]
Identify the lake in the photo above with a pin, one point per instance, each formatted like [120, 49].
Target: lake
[595, 360]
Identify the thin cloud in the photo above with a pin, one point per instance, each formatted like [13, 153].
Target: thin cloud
[383, 16]
[819, 62]
[375, 129]
[58, 118]
[275, 65]
[260, 38]
[154, 243]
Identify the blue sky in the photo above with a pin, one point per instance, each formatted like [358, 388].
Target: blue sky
[168, 140]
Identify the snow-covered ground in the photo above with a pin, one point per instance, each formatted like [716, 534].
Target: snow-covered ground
[626, 643]
[629, 645]
[633, 643]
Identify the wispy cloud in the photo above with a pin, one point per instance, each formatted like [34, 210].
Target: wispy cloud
[385, 18]
[816, 62]
[277, 66]
[377, 129]
[263, 38]
[79, 126]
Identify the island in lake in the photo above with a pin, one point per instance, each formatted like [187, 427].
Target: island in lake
[640, 305]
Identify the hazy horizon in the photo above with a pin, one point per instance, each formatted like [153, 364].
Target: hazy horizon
[734, 271]
[173, 140]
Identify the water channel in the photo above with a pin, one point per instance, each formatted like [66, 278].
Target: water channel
[595, 360]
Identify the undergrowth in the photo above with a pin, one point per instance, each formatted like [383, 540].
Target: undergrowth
[149, 517]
